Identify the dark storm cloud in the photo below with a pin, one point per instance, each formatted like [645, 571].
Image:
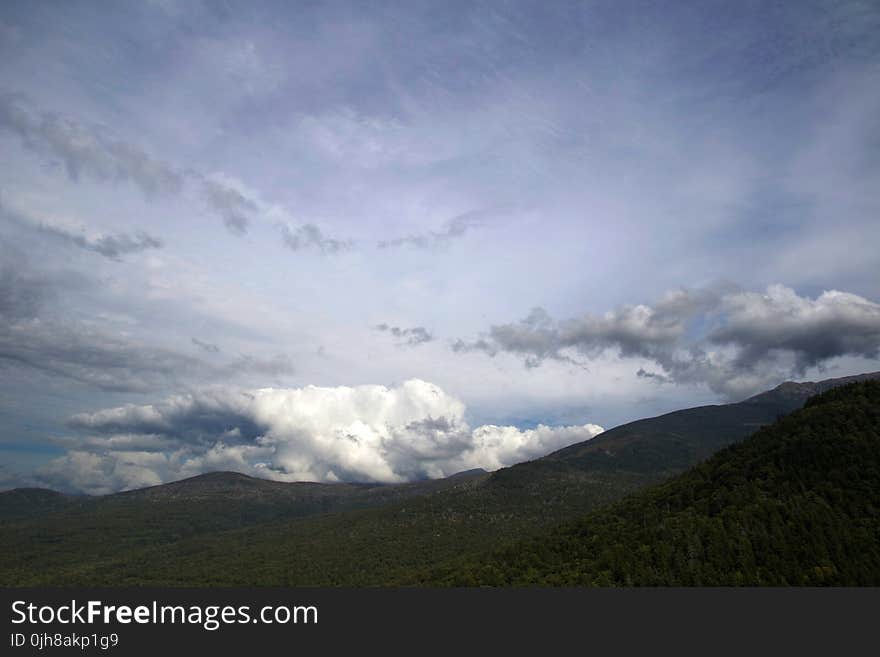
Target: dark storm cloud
[836, 324]
[632, 330]
[192, 418]
[734, 341]
[409, 336]
[309, 236]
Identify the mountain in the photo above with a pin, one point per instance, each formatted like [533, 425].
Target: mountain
[650, 450]
[226, 528]
[798, 393]
[217, 500]
[798, 503]
[680, 438]
[25, 502]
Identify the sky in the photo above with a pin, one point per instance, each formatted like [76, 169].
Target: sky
[384, 241]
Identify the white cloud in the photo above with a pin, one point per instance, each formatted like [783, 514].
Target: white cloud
[363, 433]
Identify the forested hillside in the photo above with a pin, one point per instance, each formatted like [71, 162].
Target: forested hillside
[798, 503]
[228, 529]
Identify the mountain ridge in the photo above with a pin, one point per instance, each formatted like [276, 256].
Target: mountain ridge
[352, 534]
[797, 503]
[785, 397]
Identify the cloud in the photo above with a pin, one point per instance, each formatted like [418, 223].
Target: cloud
[21, 293]
[87, 150]
[115, 246]
[410, 336]
[363, 433]
[78, 351]
[232, 206]
[92, 151]
[735, 341]
[206, 346]
[98, 474]
[813, 330]
[34, 336]
[112, 246]
[455, 228]
[273, 366]
[9, 479]
[195, 418]
[642, 373]
[310, 236]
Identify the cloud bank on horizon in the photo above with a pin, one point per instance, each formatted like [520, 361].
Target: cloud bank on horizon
[648, 206]
[363, 434]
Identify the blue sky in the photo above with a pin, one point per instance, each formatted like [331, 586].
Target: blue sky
[199, 201]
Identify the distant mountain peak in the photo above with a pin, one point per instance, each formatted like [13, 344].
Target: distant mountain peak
[801, 391]
[227, 476]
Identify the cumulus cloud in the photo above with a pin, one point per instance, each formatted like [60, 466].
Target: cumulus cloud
[408, 336]
[813, 330]
[98, 474]
[363, 433]
[737, 342]
[309, 236]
